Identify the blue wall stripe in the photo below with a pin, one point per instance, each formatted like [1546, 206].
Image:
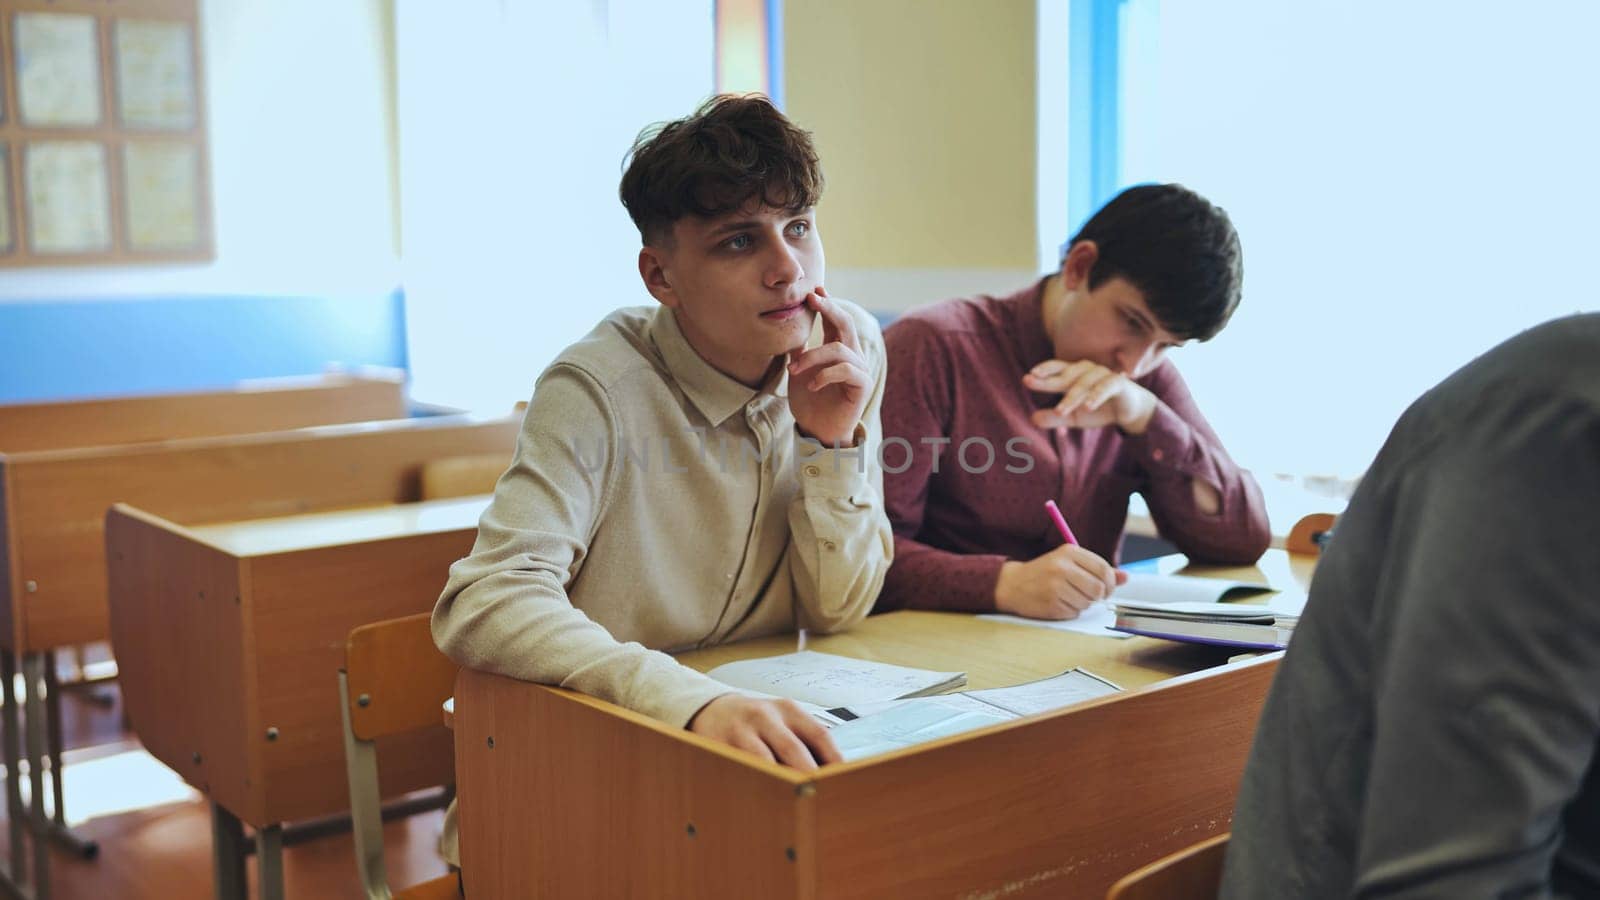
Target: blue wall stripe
[54, 349]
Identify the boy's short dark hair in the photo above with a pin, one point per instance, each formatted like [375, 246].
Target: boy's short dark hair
[1177, 248]
[734, 149]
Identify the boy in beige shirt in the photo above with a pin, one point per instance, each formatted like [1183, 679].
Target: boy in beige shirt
[697, 472]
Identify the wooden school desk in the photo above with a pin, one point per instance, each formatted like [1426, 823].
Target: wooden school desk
[231, 636]
[563, 795]
[56, 504]
[265, 404]
[29, 430]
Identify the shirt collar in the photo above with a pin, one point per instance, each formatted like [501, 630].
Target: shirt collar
[714, 394]
[1026, 308]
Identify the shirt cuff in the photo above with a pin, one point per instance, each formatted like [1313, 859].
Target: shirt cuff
[829, 472]
[1167, 444]
[676, 700]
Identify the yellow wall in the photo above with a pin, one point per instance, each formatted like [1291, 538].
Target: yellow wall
[923, 112]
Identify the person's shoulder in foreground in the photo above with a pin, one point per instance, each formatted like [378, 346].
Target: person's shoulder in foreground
[1433, 728]
[1071, 377]
[697, 472]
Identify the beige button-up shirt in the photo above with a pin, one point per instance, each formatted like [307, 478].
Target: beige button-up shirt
[656, 504]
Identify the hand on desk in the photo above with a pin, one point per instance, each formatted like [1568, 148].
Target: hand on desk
[1058, 585]
[775, 730]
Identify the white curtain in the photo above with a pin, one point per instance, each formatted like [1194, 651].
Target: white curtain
[515, 116]
[1413, 183]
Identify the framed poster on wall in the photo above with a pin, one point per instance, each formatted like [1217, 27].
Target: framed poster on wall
[103, 153]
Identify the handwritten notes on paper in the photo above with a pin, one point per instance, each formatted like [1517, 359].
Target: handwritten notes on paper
[883, 727]
[830, 681]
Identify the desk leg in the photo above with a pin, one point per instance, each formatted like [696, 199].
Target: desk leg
[14, 875]
[80, 846]
[33, 676]
[227, 855]
[269, 861]
[16, 818]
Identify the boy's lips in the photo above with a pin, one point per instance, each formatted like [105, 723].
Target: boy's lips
[785, 312]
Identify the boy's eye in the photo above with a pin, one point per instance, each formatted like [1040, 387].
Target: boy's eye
[800, 229]
[737, 242]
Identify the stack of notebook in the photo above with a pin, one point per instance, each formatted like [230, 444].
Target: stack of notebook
[1247, 625]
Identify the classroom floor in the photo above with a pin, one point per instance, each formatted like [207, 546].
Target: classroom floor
[155, 832]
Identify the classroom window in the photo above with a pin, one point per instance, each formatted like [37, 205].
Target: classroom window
[1413, 183]
[515, 116]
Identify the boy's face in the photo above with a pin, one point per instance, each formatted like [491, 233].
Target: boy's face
[738, 284]
[1111, 325]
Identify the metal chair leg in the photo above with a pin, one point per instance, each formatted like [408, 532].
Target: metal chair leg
[227, 856]
[16, 817]
[13, 877]
[75, 843]
[269, 862]
[33, 676]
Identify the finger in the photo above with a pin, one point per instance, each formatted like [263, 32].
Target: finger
[1048, 368]
[843, 373]
[1046, 418]
[788, 748]
[836, 323]
[747, 740]
[813, 734]
[1105, 390]
[1122, 577]
[1059, 378]
[1083, 385]
[1096, 566]
[1082, 587]
[1057, 610]
[826, 354]
[1069, 379]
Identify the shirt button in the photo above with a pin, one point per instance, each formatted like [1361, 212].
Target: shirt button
[813, 471]
[1158, 455]
[829, 545]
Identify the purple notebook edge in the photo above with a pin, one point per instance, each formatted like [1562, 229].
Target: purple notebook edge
[1194, 639]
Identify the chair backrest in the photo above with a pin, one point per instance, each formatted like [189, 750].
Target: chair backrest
[1193, 873]
[394, 680]
[1309, 533]
[462, 476]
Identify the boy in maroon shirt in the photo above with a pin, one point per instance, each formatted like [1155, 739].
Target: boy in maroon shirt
[1062, 391]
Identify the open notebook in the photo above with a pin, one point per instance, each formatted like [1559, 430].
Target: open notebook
[871, 729]
[830, 681]
[1100, 618]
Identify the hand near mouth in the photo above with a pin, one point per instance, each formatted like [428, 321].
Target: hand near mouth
[829, 385]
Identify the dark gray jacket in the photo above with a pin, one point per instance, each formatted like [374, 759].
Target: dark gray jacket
[1432, 731]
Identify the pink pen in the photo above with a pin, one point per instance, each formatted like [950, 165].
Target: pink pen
[1061, 522]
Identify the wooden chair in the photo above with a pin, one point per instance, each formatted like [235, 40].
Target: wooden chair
[462, 476]
[1193, 873]
[1308, 534]
[394, 681]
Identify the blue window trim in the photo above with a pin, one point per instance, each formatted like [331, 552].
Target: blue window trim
[1094, 112]
[772, 12]
[775, 52]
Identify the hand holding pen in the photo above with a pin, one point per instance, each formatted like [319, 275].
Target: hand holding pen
[1057, 585]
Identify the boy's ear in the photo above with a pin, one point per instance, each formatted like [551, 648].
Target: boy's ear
[653, 270]
[1078, 263]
